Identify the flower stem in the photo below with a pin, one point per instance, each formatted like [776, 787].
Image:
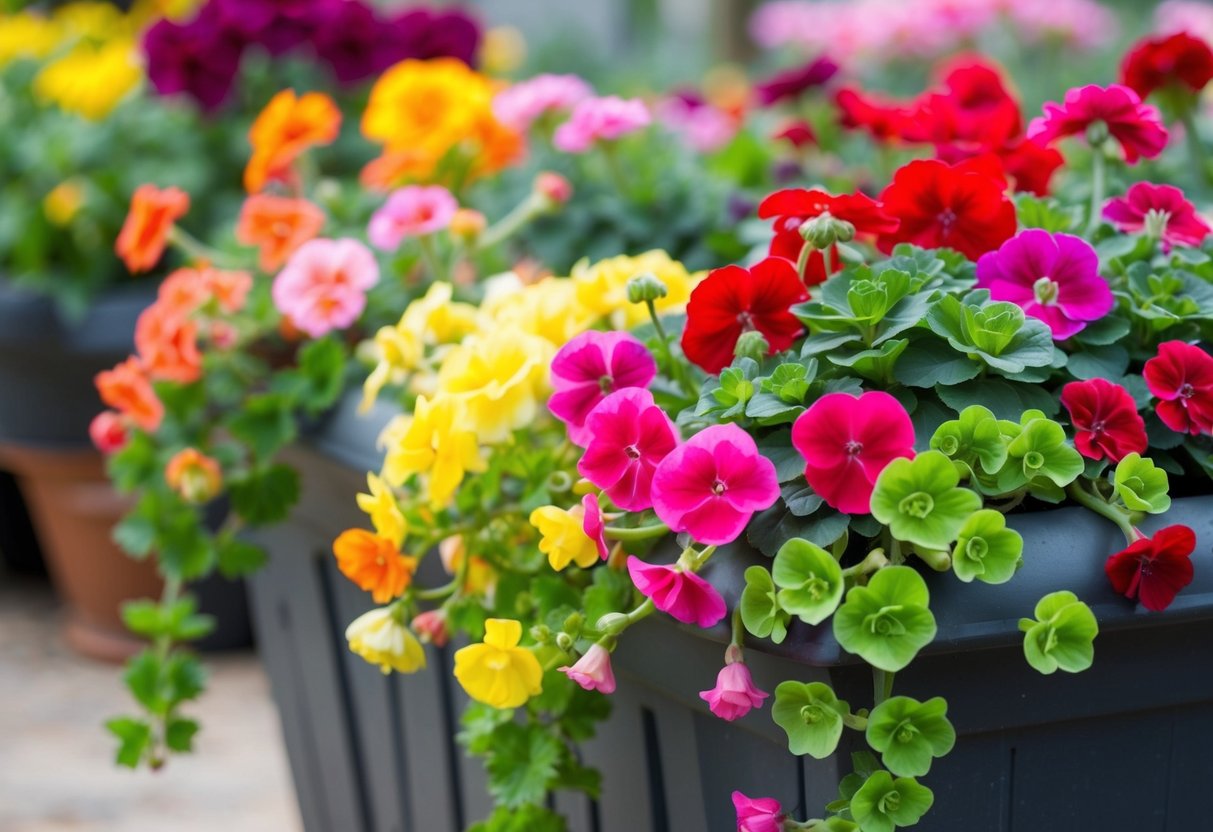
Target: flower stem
[875, 560]
[195, 249]
[637, 533]
[511, 223]
[430, 255]
[1099, 185]
[859, 723]
[882, 684]
[738, 628]
[1104, 509]
[676, 368]
[802, 262]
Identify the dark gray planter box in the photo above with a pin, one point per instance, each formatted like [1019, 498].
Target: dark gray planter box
[1121, 746]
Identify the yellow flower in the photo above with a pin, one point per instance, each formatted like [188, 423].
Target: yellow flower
[397, 351]
[502, 51]
[84, 19]
[63, 202]
[435, 443]
[499, 672]
[501, 377]
[26, 35]
[549, 308]
[436, 319]
[384, 512]
[602, 286]
[90, 80]
[563, 539]
[380, 638]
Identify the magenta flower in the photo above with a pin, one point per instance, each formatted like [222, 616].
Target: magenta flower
[323, 286]
[1160, 211]
[758, 814]
[590, 367]
[629, 437]
[1136, 126]
[411, 211]
[600, 119]
[593, 670]
[735, 694]
[1053, 277]
[593, 524]
[711, 485]
[199, 59]
[524, 103]
[683, 595]
[847, 441]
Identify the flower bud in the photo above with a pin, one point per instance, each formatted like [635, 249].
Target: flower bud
[194, 476]
[593, 670]
[431, 627]
[108, 431]
[825, 230]
[553, 189]
[564, 641]
[646, 287]
[752, 344]
[542, 634]
[574, 623]
[467, 224]
[613, 623]
[1097, 133]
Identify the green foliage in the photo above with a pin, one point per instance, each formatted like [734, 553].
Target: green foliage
[266, 423]
[760, 610]
[1040, 458]
[521, 762]
[883, 804]
[995, 332]
[920, 501]
[134, 738]
[909, 734]
[809, 580]
[974, 441]
[1141, 485]
[986, 549]
[1062, 635]
[266, 495]
[178, 621]
[888, 621]
[528, 818]
[811, 715]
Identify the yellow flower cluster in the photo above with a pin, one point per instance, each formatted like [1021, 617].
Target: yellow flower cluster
[602, 286]
[27, 36]
[91, 79]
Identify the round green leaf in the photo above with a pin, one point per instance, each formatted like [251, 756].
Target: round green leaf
[886, 622]
[972, 440]
[920, 501]
[811, 715]
[909, 734]
[882, 803]
[1062, 636]
[810, 580]
[986, 549]
[760, 612]
[1141, 485]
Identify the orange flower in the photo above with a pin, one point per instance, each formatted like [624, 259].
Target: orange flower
[183, 291]
[229, 289]
[194, 475]
[374, 564]
[287, 127]
[167, 343]
[277, 225]
[397, 166]
[144, 235]
[127, 389]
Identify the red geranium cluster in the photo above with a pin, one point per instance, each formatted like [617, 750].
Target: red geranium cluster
[791, 208]
[1179, 61]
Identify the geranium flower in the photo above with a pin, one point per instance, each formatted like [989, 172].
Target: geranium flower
[885, 119]
[1154, 570]
[735, 694]
[792, 83]
[277, 226]
[499, 672]
[961, 206]
[411, 211]
[790, 208]
[592, 366]
[593, 670]
[167, 343]
[681, 594]
[196, 477]
[629, 437]
[711, 485]
[1030, 164]
[323, 286]
[1181, 375]
[974, 109]
[1105, 418]
[127, 389]
[703, 127]
[287, 126]
[1178, 60]
[380, 638]
[183, 291]
[144, 234]
[758, 814]
[1161, 211]
[1136, 126]
[1053, 277]
[278, 25]
[847, 441]
[798, 133]
[600, 119]
[229, 289]
[521, 105]
[734, 300]
[374, 564]
[426, 34]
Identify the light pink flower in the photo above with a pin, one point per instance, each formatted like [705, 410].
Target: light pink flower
[323, 286]
[710, 486]
[1160, 210]
[1192, 16]
[593, 670]
[411, 211]
[629, 437]
[847, 441]
[519, 106]
[1136, 126]
[735, 694]
[758, 814]
[600, 119]
[591, 366]
[683, 595]
[593, 524]
[703, 127]
[1053, 277]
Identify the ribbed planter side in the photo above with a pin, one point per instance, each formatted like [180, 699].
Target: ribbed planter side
[1119, 746]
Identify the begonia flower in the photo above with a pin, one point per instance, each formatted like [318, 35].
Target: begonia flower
[323, 286]
[498, 672]
[681, 594]
[589, 368]
[758, 814]
[593, 670]
[379, 637]
[735, 694]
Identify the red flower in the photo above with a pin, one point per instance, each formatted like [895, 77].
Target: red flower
[1161, 210]
[1105, 418]
[791, 83]
[1181, 375]
[798, 133]
[885, 119]
[1154, 570]
[962, 206]
[790, 208]
[974, 109]
[734, 300]
[1137, 126]
[1030, 165]
[1178, 60]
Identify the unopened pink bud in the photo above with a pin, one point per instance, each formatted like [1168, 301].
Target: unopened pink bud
[108, 431]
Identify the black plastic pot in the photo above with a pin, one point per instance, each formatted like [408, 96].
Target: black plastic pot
[1121, 746]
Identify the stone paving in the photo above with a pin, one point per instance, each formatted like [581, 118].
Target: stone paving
[55, 758]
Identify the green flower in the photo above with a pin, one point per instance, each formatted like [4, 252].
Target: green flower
[811, 715]
[760, 611]
[1062, 635]
[809, 579]
[973, 439]
[882, 804]
[998, 333]
[1041, 458]
[1141, 485]
[909, 734]
[986, 549]
[918, 499]
[887, 622]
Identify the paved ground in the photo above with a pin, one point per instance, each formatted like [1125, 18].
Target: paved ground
[55, 759]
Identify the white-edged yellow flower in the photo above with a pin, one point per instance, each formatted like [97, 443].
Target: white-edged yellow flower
[382, 639]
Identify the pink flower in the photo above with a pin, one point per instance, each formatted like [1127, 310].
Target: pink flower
[323, 286]
[629, 437]
[412, 211]
[594, 525]
[703, 127]
[593, 670]
[1053, 277]
[710, 486]
[759, 814]
[520, 106]
[847, 441]
[600, 119]
[591, 366]
[1160, 211]
[1137, 126]
[108, 431]
[683, 595]
[735, 694]
[431, 627]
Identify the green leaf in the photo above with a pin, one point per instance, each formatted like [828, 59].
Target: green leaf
[811, 715]
[266, 495]
[888, 621]
[179, 735]
[1040, 452]
[883, 804]
[184, 678]
[996, 332]
[322, 365]
[972, 440]
[136, 532]
[760, 611]
[1062, 636]
[1141, 485]
[932, 361]
[142, 678]
[1109, 361]
[134, 464]
[777, 447]
[920, 501]
[1107, 330]
[1048, 214]
[771, 528]
[265, 423]
[238, 557]
[909, 734]
[522, 819]
[134, 737]
[810, 580]
[1005, 399]
[521, 762]
[986, 549]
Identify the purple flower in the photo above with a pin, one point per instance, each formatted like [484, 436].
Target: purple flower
[791, 83]
[1053, 277]
[278, 25]
[198, 59]
[591, 366]
[354, 42]
[424, 34]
